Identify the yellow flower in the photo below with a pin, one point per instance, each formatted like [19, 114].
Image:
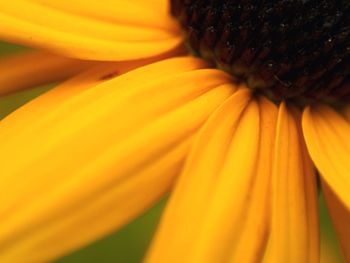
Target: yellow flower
[93, 153]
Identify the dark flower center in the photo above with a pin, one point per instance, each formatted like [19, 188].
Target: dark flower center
[285, 48]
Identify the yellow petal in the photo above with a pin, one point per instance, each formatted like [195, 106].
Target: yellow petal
[254, 235]
[143, 13]
[83, 36]
[32, 69]
[340, 215]
[109, 209]
[294, 233]
[94, 152]
[327, 138]
[204, 218]
[45, 105]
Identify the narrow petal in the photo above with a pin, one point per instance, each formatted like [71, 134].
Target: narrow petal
[32, 69]
[327, 138]
[93, 152]
[205, 218]
[254, 235]
[340, 215]
[143, 13]
[45, 105]
[84, 35]
[294, 233]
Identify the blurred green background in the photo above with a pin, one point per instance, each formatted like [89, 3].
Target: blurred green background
[129, 244]
[125, 246]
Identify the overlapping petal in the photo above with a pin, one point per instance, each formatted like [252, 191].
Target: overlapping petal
[49, 103]
[101, 149]
[32, 69]
[84, 35]
[294, 233]
[142, 13]
[340, 215]
[255, 228]
[327, 138]
[208, 216]
[99, 157]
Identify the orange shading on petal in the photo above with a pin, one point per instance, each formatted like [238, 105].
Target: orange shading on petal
[206, 217]
[123, 138]
[32, 69]
[327, 138]
[83, 36]
[294, 233]
[340, 216]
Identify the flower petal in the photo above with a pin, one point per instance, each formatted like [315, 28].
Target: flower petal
[49, 103]
[142, 13]
[294, 233]
[109, 209]
[340, 215]
[254, 235]
[85, 36]
[93, 152]
[327, 138]
[32, 69]
[205, 218]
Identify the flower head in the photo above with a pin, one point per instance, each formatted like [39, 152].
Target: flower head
[239, 134]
